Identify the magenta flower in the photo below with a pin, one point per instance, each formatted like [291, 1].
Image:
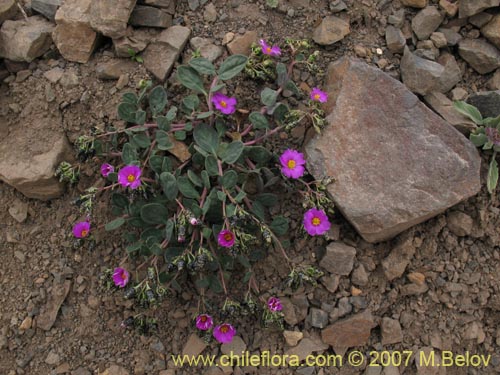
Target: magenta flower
[226, 238]
[493, 135]
[121, 277]
[318, 96]
[268, 50]
[316, 222]
[224, 103]
[106, 169]
[204, 322]
[130, 175]
[81, 229]
[224, 333]
[292, 164]
[274, 304]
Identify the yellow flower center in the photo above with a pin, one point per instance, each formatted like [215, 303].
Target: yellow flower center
[84, 233]
[268, 49]
[130, 178]
[228, 237]
[317, 96]
[291, 164]
[223, 103]
[316, 221]
[224, 329]
[123, 276]
[203, 319]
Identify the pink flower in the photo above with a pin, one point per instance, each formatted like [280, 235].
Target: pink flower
[292, 164]
[204, 322]
[493, 135]
[318, 96]
[81, 229]
[224, 333]
[121, 277]
[106, 169]
[316, 222]
[130, 175]
[268, 50]
[274, 304]
[226, 238]
[224, 103]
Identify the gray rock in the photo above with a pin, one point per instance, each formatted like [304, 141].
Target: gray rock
[339, 259]
[344, 307]
[360, 277]
[480, 19]
[206, 48]
[395, 39]
[394, 265]
[8, 10]
[417, 167]
[487, 102]
[110, 17]
[491, 31]
[194, 346]
[115, 68]
[318, 317]
[237, 346]
[306, 347]
[136, 42]
[452, 37]
[467, 8]
[337, 6]
[48, 8]
[18, 210]
[481, 55]
[426, 22]
[439, 39]
[242, 44]
[150, 17]
[459, 223]
[52, 358]
[391, 331]
[167, 5]
[414, 3]
[193, 4]
[295, 308]
[397, 18]
[331, 30]
[210, 14]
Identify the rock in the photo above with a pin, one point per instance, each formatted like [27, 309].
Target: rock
[420, 165]
[73, 36]
[395, 39]
[115, 68]
[474, 331]
[25, 40]
[150, 17]
[492, 31]
[417, 278]
[110, 17]
[439, 39]
[426, 22]
[241, 45]
[210, 14]
[295, 308]
[331, 282]
[115, 370]
[52, 358]
[123, 81]
[413, 289]
[337, 6]
[391, 331]
[487, 55]
[8, 10]
[136, 42]
[237, 347]
[459, 224]
[494, 82]
[69, 80]
[306, 347]
[360, 277]
[49, 312]
[467, 8]
[348, 333]
[414, 3]
[444, 107]
[429, 368]
[167, 5]
[452, 37]
[53, 75]
[48, 8]
[397, 18]
[18, 210]
[331, 30]
[180, 150]
[193, 4]
[451, 75]
[396, 262]
[194, 346]
[206, 48]
[487, 102]
[292, 338]
[480, 19]
[26, 324]
[339, 259]
[451, 9]
[318, 318]
[161, 55]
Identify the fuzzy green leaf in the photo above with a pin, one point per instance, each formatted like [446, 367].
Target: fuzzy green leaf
[258, 120]
[492, 175]
[127, 111]
[119, 200]
[202, 66]
[169, 229]
[115, 224]
[163, 140]
[169, 185]
[232, 66]
[193, 177]
[186, 188]
[190, 78]
[479, 139]
[232, 152]
[281, 73]
[154, 213]
[469, 110]
[211, 165]
[140, 117]
[129, 155]
[268, 97]
[279, 225]
[206, 137]
[205, 178]
[141, 140]
[157, 100]
[229, 179]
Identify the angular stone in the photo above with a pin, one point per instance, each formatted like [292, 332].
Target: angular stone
[306, 347]
[19, 211]
[487, 102]
[210, 13]
[236, 346]
[73, 36]
[295, 308]
[391, 331]
[115, 370]
[395, 39]
[414, 3]
[318, 317]
[115, 68]
[206, 48]
[331, 30]
[292, 338]
[439, 39]
[54, 74]
[452, 37]
[194, 346]
[48, 314]
[25, 40]
[426, 22]
[450, 8]
[350, 332]
[459, 223]
[137, 42]
[360, 277]
[481, 55]
[491, 31]
[241, 45]
[339, 259]
[150, 17]
[396, 262]
[417, 165]
[426, 368]
[110, 17]
[467, 8]
[167, 5]
[161, 55]
[480, 19]
[8, 10]
[46, 7]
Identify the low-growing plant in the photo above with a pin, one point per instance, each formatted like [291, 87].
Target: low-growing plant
[191, 187]
[486, 136]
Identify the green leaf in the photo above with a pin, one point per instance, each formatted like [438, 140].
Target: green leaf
[215, 284]
[115, 224]
[279, 225]
[291, 86]
[132, 248]
[142, 140]
[163, 140]
[478, 139]
[140, 117]
[491, 122]
[272, 4]
[191, 103]
[206, 137]
[267, 199]
[202, 283]
[468, 110]
[282, 74]
[268, 97]
[211, 166]
[193, 177]
[180, 135]
[157, 100]
[204, 115]
[171, 114]
[280, 111]
[154, 213]
[119, 200]
[493, 174]
[258, 120]
[129, 156]
[218, 87]
[202, 66]
[229, 179]
[169, 229]
[221, 196]
[186, 188]
[169, 185]
[232, 66]
[258, 210]
[244, 261]
[232, 152]
[205, 178]
[190, 78]
[259, 154]
[163, 123]
[156, 162]
[130, 98]
[126, 112]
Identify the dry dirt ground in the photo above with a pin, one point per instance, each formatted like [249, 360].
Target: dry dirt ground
[459, 309]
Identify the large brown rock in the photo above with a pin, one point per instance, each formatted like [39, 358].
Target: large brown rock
[467, 8]
[110, 17]
[73, 35]
[331, 30]
[491, 31]
[25, 40]
[396, 163]
[481, 55]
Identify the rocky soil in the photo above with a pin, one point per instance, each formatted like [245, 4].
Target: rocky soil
[430, 285]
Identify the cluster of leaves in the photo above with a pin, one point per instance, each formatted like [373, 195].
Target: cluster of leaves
[485, 136]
